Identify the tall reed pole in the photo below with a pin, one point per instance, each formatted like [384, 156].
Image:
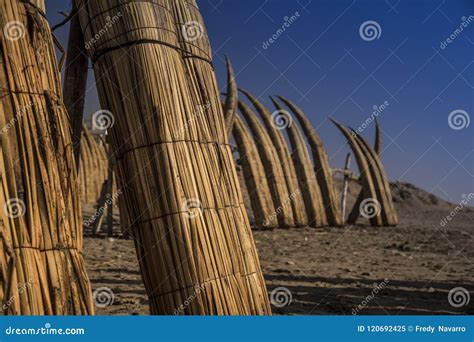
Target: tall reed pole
[176, 170]
[42, 269]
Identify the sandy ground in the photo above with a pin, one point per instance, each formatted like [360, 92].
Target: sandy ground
[408, 269]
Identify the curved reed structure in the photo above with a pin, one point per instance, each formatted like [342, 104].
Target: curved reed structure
[388, 209]
[308, 183]
[355, 212]
[274, 130]
[42, 269]
[321, 162]
[254, 175]
[175, 166]
[368, 184]
[273, 169]
[232, 98]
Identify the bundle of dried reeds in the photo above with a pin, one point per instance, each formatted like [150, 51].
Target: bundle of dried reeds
[254, 175]
[92, 168]
[274, 124]
[379, 207]
[321, 162]
[355, 212]
[42, 268]
[304, 167]
[176, 170]
[273, 170]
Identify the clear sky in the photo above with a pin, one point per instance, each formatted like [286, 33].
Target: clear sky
[331, 67]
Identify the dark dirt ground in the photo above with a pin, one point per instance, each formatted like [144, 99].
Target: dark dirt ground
[333, 270]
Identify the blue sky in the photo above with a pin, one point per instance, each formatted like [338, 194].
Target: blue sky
[322, 63]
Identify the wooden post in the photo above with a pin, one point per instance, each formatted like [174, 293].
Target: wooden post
[345, 185]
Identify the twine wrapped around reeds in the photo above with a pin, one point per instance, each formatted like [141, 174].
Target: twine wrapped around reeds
[254, 175]
[176, 170]
[304, 167]
[42, 270]
[321, 162]
[273, 170]
[274, 123]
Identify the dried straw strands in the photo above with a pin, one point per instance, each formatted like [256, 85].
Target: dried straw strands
[255, 179]
[93, 167]
[273, 128]
[379, 208]
[176, 170]
[355, 212]
[308, 183]
[41, 266]
[323, 169]
[273, 169]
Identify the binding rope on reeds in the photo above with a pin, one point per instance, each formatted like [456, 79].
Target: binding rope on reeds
[42, 270]
[272, 166]
[274, 123]
[255, 178]
[176, 169]
[322, 167]
[304, 167]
